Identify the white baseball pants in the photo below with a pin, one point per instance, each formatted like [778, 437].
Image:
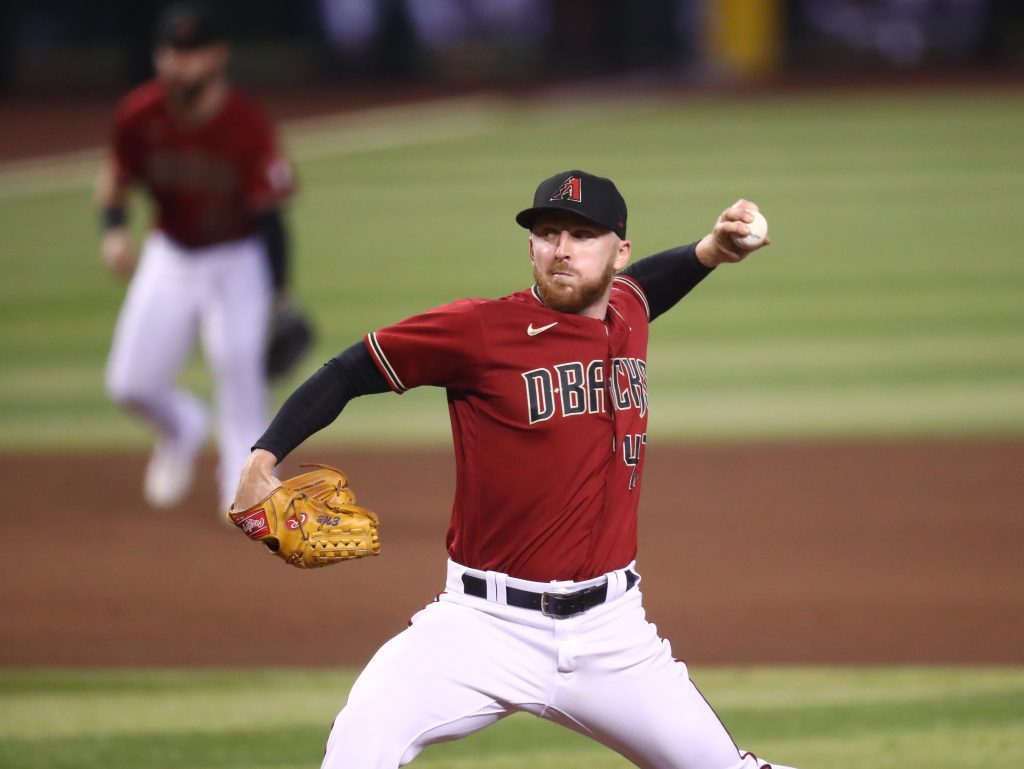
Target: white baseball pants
[223, 293]
[466, 662]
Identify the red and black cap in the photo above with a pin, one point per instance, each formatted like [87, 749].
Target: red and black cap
[188, 25]
[592, 197]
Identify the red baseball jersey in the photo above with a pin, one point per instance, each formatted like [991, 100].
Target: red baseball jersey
[549, 419]
[207, 181]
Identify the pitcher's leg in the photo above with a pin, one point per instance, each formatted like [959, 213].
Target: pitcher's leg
[451, 673]
[234, 337]
[631, 695]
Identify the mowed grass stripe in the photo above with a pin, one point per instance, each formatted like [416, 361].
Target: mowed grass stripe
[277, 745]
[695, 414]
[784, 686]
[264, 745]
[912, 718]
[99, 699]
[724, 310]
[884, 411]
[682, 365]
[927, 748]
[678, 356]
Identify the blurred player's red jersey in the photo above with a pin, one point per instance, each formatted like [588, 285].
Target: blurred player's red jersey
[549, 418]
[208, 181]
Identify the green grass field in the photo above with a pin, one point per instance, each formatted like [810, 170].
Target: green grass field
[891, 304]
[898, 718]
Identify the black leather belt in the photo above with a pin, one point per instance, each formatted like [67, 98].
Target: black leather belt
[555, 604]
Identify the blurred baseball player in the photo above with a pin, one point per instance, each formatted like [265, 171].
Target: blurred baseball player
[547, 391]
[213, 261]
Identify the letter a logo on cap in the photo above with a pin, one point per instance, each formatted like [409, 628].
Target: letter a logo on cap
[570, 190]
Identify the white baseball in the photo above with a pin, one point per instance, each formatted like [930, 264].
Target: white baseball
[758, 232]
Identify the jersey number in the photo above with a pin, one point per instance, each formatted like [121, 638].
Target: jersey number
[631, 448]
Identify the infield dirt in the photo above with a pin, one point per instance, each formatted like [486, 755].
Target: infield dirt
[802, 553]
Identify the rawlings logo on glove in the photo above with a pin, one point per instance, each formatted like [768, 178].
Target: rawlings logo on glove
[254, 524]
[311, 520]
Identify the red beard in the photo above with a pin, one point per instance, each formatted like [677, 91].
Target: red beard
[571, 298]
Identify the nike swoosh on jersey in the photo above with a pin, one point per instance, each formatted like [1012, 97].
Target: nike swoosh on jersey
[534, 331]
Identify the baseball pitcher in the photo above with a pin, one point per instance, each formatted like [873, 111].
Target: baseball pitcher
[542, 611]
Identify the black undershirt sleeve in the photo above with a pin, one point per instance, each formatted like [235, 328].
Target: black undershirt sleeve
[668, 276]
[320, 399]
[270, 226]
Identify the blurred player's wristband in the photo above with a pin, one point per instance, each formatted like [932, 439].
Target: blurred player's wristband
[112, 217]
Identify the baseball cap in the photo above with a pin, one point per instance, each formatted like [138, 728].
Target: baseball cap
[592, 197]
[188, 26]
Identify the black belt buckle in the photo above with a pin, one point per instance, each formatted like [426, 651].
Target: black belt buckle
[562, 605]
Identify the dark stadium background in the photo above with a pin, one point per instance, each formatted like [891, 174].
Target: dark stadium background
[56, 46]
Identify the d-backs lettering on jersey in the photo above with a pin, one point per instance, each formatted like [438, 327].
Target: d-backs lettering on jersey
[549, 420]
[207, 181]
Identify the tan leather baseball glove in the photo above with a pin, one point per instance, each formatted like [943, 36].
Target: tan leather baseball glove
[311, 520]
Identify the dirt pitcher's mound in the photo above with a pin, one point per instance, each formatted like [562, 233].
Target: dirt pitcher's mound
[814, 553]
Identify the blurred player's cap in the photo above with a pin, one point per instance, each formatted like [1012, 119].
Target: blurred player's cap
[592, 197]
[188, 25]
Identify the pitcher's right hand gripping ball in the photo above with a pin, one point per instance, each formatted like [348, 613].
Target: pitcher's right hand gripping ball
[310, 520]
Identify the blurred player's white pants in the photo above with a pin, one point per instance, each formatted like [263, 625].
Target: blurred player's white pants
[465, 662]
[223, 293]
